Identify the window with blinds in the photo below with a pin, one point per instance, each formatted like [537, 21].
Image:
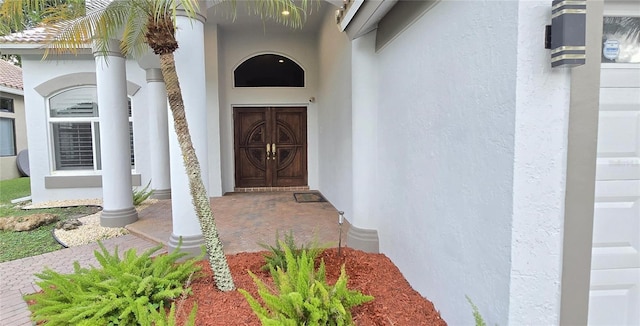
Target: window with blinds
[75, 130]
[7, 137]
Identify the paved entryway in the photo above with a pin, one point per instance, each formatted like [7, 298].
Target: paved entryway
[246, 219]
[243, 220]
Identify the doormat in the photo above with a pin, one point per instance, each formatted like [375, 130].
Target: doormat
[308, 197]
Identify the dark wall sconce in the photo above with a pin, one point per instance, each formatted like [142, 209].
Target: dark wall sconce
[566, 34]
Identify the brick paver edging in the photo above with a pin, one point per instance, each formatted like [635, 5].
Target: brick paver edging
[17, 277]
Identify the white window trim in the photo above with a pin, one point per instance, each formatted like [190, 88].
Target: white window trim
[50, 137]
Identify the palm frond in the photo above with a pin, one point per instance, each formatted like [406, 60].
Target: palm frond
[273, 9]
[17, 15]
[133, 40]
[625, 26]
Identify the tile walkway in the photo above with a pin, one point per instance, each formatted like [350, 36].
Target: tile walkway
[243, 220]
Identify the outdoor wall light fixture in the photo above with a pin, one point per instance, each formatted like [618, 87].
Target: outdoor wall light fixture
[566, 34]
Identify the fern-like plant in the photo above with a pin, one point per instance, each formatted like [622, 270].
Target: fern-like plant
[276, 257]
[303, 296]
[122, 291]
[140, 195]
[476, 313]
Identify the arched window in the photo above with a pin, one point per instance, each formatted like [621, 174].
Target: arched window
[75, 129]
[269, 70]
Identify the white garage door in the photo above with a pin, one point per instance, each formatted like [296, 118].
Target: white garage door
[615, 267]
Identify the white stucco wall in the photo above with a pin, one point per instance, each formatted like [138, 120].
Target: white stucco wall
[37, 72]
[140, 114]
[542, 114]
[447, 100]
[334, 117]
[212, 73]
[236, 46]
[470, 167]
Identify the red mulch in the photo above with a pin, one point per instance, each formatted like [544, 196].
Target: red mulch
[395, 303]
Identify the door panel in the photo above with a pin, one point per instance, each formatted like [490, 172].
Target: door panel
[270, 147]
[615, 265]
[250, 143]
[291, 139]
[614, 297]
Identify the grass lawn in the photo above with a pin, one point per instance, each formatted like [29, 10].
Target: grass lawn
[16, 245]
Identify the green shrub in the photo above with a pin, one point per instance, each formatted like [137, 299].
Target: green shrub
[303, 296]
[140, 195]
[276, 256]
[476, 314]
[127, 291]
[161, 318]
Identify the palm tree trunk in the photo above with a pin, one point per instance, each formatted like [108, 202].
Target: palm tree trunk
[217, 260]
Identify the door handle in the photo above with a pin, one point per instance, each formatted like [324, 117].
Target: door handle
[273, 147]
[268, 150]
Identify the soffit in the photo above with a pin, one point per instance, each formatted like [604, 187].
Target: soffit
[244, 21]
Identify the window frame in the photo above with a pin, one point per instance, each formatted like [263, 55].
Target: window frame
[13, 129]
[95, 137]
[10, 100]
[275, 54]
[610, 63]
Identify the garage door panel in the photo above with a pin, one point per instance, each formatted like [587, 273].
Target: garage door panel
[614, 297]
[619, 99]
[619, 134]
[625, 78]
[616, 227]
[618, 168]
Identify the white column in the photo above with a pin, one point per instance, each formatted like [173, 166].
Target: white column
[213, 109]
[159, 134]
[190, 65]
[115, 150]
[362, 234]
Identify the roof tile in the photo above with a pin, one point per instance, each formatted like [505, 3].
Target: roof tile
[34, 35]
[10, 75]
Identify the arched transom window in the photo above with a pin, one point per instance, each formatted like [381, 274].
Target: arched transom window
[269, 70]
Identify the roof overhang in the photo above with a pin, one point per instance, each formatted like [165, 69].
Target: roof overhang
[361, 17]
[34, 48]
[11, 90]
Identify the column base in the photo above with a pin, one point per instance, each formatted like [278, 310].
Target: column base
[190, 244]
[363, 239]
[118, 217]
[161, 194]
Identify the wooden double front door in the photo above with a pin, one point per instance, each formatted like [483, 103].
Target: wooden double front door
[270, 146]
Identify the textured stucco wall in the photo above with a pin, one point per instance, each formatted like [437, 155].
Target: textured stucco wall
[334, 110]
[447, 100]
[38, 71]
[140, 114]
[542, 114]
[8, 168]
[236, 46]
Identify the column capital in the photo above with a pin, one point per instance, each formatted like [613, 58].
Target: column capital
[112, 50]
[198, 16]
[154, 75]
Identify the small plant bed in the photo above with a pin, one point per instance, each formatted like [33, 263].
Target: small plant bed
[125, 289]
[36, 240]
[395, 303]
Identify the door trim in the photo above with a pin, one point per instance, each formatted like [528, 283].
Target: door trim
[581, 176]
